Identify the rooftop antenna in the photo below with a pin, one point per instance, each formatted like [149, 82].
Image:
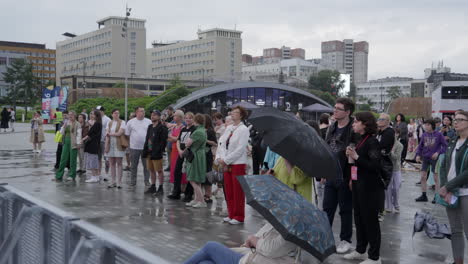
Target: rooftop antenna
[235, 26]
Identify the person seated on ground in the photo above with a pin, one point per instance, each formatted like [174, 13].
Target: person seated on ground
[267, 246]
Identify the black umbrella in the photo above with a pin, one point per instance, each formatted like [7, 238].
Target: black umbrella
[297, 142]
[246, 105]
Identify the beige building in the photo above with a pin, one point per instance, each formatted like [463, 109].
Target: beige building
[347, 57]
[216, 55]
[103, 52]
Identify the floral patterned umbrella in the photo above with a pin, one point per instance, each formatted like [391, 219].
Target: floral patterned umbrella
[295, 218]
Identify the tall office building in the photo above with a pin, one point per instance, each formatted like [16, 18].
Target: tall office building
[42, 60]
[104, 52]
[215, 55]
[348, 57]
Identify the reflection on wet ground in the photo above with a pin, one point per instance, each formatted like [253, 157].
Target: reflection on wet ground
[169, 229]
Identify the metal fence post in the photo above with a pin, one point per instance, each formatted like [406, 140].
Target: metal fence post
[16, 231]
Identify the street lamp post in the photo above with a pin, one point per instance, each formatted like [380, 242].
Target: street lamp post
[125, 36]
[83, 85]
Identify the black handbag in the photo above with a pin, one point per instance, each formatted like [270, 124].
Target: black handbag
[188, 155]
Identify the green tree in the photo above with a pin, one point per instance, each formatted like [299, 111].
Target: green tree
[326, 96]
[175, 91]
[23, 84]
[281, 77]
[352, 92]
[326, 81]
[119, 85]
[394, 92]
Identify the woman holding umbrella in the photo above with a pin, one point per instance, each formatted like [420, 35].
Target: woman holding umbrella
[367, 187]
[232, 156]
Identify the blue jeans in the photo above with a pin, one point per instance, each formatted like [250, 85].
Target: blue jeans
[214, 253]
[336, 193]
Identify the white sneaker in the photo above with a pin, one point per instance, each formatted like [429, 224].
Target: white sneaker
[224, 212]
[199, 205]
[33, 151]
[355, 256]
[396, 210]
[343, 247]
[226, 219]
[191, 203]
[235, 222]
[370, 261]
[93, 179]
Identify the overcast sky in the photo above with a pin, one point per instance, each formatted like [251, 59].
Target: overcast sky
[404, 36]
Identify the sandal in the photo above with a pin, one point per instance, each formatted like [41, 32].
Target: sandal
[112, 186]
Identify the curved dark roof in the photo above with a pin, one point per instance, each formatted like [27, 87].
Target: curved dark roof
[239, 85]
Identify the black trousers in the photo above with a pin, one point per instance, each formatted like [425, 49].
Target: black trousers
[258, 155]
[178, 180]
[366, 210]
[58, 156]
[405, 150]
[336, 193]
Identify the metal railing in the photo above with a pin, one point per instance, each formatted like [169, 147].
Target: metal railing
[32, 231]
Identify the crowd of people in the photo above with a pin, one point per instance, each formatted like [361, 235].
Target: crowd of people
[371, 152]
[8, 118]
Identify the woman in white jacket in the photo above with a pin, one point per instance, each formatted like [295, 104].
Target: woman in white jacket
[267, 246]
[231, 154]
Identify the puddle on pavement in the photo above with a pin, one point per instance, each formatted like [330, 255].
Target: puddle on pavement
[433, 256]
[73, 204]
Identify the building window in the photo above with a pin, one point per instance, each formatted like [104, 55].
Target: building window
[3, 60]
[132, 67]
[132, 35]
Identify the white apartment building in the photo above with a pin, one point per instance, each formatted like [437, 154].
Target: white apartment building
[376, 90]
[105, 52]
[294, 68]
[215, 55]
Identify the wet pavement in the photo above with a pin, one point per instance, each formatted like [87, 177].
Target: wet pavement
[168, 229]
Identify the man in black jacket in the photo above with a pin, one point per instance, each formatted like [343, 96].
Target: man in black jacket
[386, 138]
[155, 143]
[337, 191]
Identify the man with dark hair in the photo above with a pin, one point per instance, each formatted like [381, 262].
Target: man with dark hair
[136, 130]
[155, 142]
[324, 123]
[337, 191]
[431, 146]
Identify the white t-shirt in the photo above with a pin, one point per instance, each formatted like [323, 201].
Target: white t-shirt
[452, 171]
[105, 122]
[137, 129]
[114, 126]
